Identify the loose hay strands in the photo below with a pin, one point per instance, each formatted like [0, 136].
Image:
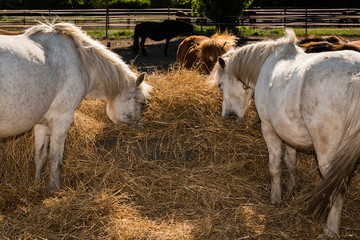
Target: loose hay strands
[188, 174]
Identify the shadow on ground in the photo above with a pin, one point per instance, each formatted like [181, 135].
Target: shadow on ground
[155, 58]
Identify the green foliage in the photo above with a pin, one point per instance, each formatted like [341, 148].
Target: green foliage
[224, 11]
[129, 3]
[7, 4]
[181, 3]
[205, 31]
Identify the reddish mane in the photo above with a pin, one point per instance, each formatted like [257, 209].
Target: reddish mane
[201, 52]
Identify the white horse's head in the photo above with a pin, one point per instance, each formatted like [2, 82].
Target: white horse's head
[237, 94]
[127, 106]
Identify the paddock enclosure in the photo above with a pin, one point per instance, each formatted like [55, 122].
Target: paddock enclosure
[188, 174]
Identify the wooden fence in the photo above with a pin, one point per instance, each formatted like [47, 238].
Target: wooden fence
[127, 18]
[301, 17]
[87, 18]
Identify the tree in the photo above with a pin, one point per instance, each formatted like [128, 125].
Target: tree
[224, 11]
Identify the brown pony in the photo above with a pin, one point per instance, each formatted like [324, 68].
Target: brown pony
[3, 32]
[201, 52]
[331, 43]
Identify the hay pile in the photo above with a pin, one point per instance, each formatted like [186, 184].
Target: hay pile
[189, 174]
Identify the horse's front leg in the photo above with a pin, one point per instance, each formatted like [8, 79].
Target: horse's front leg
[59, 127]
[41, 133]
[273, 143]
[166, 47]
[142, 44]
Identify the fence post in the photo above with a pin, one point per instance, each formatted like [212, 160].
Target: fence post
[107, 19]
[306, 22]
[284, 17]
[24, 17]
[128, 20]
[168, 13]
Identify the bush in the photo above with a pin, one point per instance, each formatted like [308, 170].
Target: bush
[130, 4]
[206, 31]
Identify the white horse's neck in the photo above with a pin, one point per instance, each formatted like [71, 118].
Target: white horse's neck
[246, 62]
[96, 90]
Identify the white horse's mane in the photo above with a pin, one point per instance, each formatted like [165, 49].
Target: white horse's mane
[245, 62]
[99, 62]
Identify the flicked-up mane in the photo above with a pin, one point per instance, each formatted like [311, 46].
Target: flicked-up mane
[217, 45]
[246, 62]
[100, 64]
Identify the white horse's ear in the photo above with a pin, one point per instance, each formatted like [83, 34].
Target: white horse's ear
[222, 62]
[140, 79]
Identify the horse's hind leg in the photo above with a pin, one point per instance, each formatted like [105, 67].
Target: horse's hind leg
[59, 127]
[324, 153]
[290, 161]
[41, 132]
[332, 227]
[142, 44]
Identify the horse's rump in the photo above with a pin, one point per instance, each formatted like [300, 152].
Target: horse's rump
[314, 47]
[331, 43]
[330, 39]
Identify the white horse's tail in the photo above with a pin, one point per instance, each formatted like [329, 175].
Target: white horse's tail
[346, 155]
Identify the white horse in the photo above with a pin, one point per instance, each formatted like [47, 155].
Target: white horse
[44, 75]
[303, 100]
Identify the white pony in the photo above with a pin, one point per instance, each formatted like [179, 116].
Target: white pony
[44, 75]
[305, 101]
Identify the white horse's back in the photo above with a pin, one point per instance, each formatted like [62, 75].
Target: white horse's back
[305, 86]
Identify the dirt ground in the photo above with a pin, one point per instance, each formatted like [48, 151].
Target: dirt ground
[156, 57]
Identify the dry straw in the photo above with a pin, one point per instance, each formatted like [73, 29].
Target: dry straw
[188, 174]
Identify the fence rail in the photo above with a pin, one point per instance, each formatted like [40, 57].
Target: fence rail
[87, 18]
[128, 18]
[302, 17]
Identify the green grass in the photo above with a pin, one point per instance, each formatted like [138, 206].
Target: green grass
[112, 33]
[300, 32]
[245, 32]
[327, 32]
[241, 31]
